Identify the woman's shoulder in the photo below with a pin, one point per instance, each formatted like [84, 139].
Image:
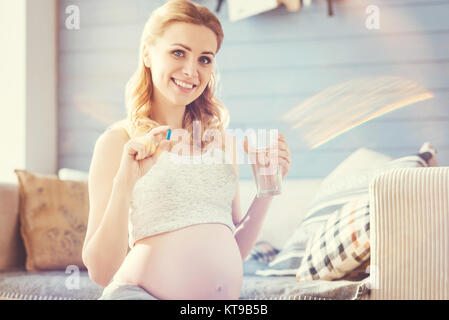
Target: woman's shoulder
[109, 148]
[118, 129]
[114, 136]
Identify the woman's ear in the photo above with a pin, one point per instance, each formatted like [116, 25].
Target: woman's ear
[146, 56]
[147, 61]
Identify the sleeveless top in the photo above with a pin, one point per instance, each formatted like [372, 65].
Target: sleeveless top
[180, 191]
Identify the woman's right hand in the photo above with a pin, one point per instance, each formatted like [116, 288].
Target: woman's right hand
[140, 154]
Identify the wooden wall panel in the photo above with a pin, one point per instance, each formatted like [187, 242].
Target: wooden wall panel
[269, 64]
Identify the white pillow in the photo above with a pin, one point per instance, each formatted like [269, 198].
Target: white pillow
[72, 174]
[360, 160]
[349, 177]
[286, 210]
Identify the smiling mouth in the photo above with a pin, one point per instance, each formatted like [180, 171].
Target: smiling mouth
[181, 87]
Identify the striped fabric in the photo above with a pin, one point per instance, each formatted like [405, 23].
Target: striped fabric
[340, 246]
[21, 296]
[330, 199]
[410, 234]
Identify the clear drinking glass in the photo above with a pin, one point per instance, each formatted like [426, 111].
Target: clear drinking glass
[263, 157]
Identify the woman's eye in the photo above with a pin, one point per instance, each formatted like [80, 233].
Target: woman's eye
[177, 51]
[180, 53]
[205, 60]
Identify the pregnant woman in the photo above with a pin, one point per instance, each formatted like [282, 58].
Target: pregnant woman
[159, 228]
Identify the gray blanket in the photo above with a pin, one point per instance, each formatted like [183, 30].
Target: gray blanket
[287, 288]
[56, 285]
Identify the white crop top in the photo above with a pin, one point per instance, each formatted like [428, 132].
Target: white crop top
[180, 191]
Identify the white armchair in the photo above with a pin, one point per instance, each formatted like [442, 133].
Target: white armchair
[410, 234]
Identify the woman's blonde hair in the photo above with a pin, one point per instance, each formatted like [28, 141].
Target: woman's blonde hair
[206, 108]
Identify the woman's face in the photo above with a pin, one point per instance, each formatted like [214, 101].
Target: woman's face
[181, 62]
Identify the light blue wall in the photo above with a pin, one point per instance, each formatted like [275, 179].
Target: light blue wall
[269, 64]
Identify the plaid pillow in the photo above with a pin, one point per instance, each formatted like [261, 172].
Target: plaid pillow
[261, 254]
[289, 258]
[340, 246]
[350, 188]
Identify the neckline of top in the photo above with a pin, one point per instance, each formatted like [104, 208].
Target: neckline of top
[208, 150]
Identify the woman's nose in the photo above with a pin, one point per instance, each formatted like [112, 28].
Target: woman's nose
[189, 69]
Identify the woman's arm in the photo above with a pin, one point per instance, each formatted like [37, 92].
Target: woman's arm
[248, 230]
[106, 241]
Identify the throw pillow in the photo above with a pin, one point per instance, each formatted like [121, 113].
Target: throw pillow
[349, 179]
[261, 254]
[289, 258]
[73, 174]
[53, 218]
[339, 246]
[342, 186]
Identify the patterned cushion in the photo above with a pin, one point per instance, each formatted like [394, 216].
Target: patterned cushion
[339, 246]
[261, 254]
[332, 197]
[53, 220]
[289, 258]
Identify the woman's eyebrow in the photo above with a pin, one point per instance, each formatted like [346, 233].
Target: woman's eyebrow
[188, 49]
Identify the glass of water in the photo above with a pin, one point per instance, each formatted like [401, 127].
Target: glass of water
[263, 157]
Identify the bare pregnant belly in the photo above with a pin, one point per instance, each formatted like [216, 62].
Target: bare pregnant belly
[201, 261]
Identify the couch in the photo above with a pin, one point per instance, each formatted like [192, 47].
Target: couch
[409, 244]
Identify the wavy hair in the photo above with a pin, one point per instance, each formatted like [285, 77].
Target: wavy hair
[206, 108]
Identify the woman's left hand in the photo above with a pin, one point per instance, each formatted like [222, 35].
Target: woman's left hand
[283, 155]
